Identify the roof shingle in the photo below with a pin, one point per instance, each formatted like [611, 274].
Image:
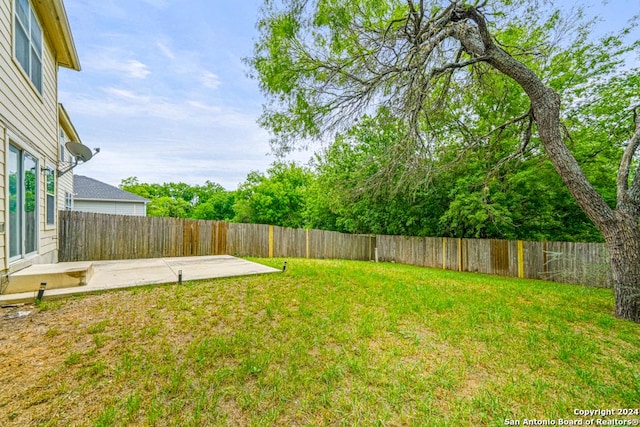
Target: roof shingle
[91, 189]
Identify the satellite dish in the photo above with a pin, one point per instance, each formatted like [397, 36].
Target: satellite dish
[79, 150]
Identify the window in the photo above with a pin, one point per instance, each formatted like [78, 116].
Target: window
[28, 42]
[68, 201]
[51, 196]
[23, 196]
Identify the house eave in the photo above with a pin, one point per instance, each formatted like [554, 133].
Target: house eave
[53, 18]
[67, 125]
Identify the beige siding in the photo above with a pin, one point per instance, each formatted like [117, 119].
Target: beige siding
[64, 182]
[31, 119]
[65, 185]
[33, 116]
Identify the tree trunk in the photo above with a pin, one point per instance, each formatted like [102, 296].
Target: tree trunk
[623, 242]
[619, 227]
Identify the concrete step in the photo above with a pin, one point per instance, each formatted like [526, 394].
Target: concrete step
[64, 275]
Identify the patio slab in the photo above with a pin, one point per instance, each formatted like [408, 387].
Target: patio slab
[130, 273]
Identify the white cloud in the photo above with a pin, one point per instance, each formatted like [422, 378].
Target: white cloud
[126, 94]
[187, 64]
[114, 61]
[133, 68]
[162, 140]
[166, 50]
[204, 107]
[210, 80]
[130, 105]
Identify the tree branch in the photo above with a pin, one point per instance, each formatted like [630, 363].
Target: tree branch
[503, 126]
[624, 191]
[545, 104]
[526, 138]
[455, 66]
[447, 84]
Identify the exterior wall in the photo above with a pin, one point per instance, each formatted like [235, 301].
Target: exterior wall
[66, 133]
[110, 207]
[65, 185]
[64, 182]
[30, 121]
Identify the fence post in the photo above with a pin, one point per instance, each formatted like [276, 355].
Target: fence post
[520, 259]
[444, 253]
[459, 254]
[307, 240]
[271, 241]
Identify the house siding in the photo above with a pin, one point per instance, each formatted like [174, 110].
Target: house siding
[65, 185]
[30, 120]
[110, 207]
[64, 182]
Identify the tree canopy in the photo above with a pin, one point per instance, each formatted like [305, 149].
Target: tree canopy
[179, 200]
[277, 197]
[502, 80]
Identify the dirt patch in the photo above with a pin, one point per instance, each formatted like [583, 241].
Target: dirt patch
[233, 411]
[35, 343]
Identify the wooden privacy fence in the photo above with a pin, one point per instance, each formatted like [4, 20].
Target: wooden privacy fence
[584, 263]
[88, 236]
[91, 237]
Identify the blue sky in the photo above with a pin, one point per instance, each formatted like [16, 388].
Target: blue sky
[163, 90]
[164, 93]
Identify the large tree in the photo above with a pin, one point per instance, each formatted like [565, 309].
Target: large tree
[324, 64]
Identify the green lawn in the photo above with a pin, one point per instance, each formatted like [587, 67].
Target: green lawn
[326, 343]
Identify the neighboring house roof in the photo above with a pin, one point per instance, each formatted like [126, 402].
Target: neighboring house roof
[86, 188]
[56, 24]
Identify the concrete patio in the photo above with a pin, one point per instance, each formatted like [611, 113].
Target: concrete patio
[66, 279]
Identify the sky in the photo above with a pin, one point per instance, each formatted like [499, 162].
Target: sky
[165, 94]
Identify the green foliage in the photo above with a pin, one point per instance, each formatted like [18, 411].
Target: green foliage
[343, 199]
[218, 206]
[168, 207]
[179, 200]
[479, 180]
[467, 198]
[420, 150]
[277, 197]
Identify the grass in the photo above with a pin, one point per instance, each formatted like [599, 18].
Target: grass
[326, 343]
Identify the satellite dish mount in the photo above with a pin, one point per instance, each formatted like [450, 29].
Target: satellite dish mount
[80, 153]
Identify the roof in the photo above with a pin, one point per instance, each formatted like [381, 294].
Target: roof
[53, 17]
[86, 188]
[66, 124]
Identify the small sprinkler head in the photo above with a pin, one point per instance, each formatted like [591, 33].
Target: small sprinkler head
[43, 285]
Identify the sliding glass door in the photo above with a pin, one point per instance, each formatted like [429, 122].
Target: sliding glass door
[23, 203]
